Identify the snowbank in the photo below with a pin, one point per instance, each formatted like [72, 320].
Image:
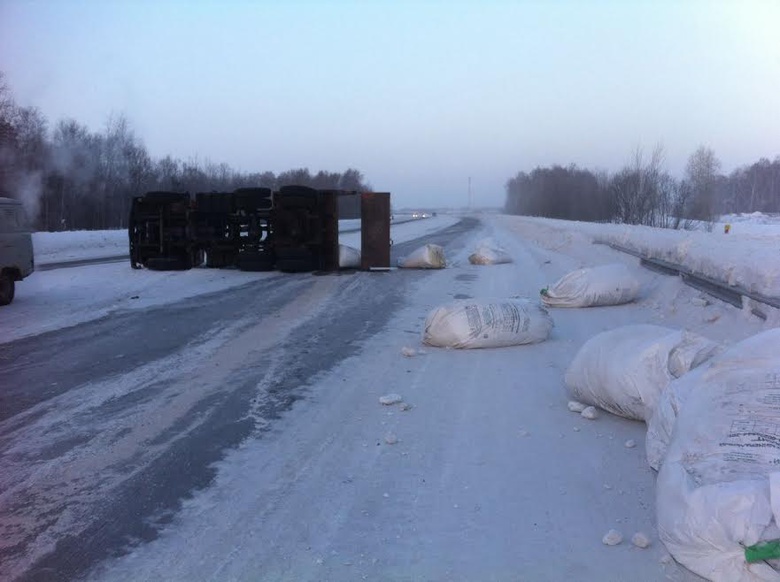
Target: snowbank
[748, 256]
[54, 247]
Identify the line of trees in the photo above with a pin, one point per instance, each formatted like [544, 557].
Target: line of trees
[642, 192]
[71, 178]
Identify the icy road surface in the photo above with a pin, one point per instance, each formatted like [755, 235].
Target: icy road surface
[238, 435]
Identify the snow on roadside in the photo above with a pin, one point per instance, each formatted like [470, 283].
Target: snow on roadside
[54, 247]
[748, 257]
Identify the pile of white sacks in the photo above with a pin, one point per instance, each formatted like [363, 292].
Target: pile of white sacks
[713, 416]
[713, 435]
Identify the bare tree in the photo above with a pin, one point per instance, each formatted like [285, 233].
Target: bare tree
[8, 144]
[701, 174]
[639, 190]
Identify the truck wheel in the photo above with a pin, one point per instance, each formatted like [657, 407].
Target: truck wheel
[298, 197]
[295, 260]
[167, 264]
[296, 266]
[7, 289]
[255, 263]
[197, 258]
[255, 198]
[215, 260]
[163, 197]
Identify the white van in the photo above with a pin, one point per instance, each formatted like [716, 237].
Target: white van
[16, 250]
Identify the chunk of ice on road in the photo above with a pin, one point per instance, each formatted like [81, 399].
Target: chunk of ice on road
[390, 399]
[640, 540]
[391, 439]
[575, 406]
[408, 352]
[630, 444]
[612, 538]
[590, 413]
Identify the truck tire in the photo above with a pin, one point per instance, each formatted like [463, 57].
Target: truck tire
[167, 264]
[215, 260]
[295, 260]
[162, 196]
[197, 258]
[298, 197]
[253, 198]
[7, 289]
[302, 190]
[255, 263]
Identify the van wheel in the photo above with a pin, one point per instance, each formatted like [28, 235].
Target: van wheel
[7, 289]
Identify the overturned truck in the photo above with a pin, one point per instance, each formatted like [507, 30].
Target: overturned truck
[295, 229]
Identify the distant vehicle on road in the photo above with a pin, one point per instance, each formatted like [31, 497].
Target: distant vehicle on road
[16, 250]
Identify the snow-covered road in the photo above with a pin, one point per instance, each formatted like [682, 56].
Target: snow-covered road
[491, 477]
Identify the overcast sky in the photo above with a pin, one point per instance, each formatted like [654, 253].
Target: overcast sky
[417, 95]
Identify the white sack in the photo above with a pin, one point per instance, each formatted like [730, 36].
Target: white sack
[605, 285]
[625, 370]
[487, 324]
[426, 257]
[661, 423]
[489, 253]
[349, 257]
[719, 486]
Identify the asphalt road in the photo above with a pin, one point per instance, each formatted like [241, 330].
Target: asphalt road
[107, 427]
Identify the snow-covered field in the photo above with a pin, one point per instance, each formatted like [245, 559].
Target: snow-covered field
[748, 256]
[49, 300]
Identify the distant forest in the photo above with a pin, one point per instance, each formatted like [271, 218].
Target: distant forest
[643, 193]
[71, 178]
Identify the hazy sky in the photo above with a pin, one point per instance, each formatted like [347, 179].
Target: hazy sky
[417, 95]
